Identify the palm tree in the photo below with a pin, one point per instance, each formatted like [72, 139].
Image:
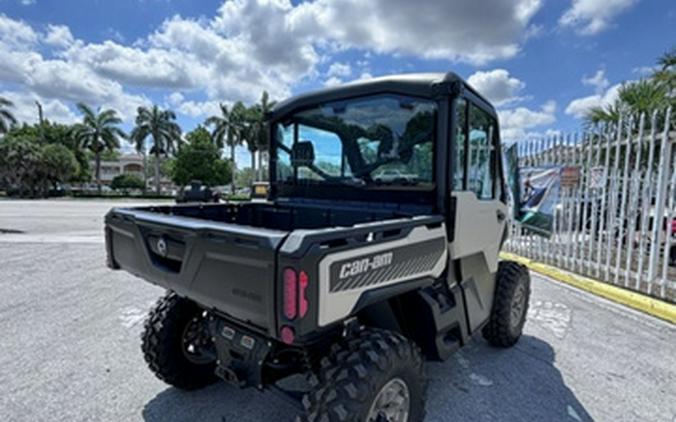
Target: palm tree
[7, 119]
[666, 74]
[264, 108]
[635, 98]
[165, 132]
[255, 130]
[251, 132]
[98, 132]
[227, 131]
[644, 96]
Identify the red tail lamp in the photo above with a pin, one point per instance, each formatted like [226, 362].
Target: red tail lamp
[290, 294]
[287, 334]
[295, 298]
[302, 298]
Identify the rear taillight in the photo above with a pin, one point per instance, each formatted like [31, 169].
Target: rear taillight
[302, 298]
[290, 294]
[287, 334]
[295, 297]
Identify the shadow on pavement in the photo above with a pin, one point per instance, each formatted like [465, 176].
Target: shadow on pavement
[479, 383]
[483, 383]
[220, 402]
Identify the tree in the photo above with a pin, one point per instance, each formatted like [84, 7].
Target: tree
[59, 163]
[19, 164]
[200, 134]
[666, 74]
[29, 168]
[161, 126]
[124, 182]
[57, 134]
[199, 159]
[7, 119]
[643, 96]
[227, 131]
[98, 132]
[255, 128]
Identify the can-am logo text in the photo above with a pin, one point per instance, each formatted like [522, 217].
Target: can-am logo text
[350, 269]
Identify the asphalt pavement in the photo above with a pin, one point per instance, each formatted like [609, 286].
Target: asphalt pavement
[70, 345]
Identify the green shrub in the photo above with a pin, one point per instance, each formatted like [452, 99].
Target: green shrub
[125, 182]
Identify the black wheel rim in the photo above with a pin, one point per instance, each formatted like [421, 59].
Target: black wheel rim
[196, 342]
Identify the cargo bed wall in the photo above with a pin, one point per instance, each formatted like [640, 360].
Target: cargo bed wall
[285, 217]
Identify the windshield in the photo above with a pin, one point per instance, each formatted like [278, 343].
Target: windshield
[380, 140]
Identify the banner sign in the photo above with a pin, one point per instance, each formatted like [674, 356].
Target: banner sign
[539, 187]
[535, 191]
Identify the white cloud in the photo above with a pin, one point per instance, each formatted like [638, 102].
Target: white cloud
[132, 66]
[175, 99]
[364, 76]
[59, 36]
[580, 106]
[263, 28]
[201, 109]
[27, 2]
[250, 46]
[589, 17]
[497, 85]
[515, 122]
[339, 70]
[16, 34]
[598, 81]
[333, 81]
[25, 108]
[66, 81]
[467, 30]
[336, 72]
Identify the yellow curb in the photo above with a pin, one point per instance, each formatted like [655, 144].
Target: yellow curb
[651, 306]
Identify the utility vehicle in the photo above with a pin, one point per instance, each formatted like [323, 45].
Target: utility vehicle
[352, 282]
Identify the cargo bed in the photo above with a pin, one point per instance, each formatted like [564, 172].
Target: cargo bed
[223, 256]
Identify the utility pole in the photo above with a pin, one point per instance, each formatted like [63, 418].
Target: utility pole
[41, 120]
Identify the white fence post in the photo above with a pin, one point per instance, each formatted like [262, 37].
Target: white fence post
[633, 203]
[646, 200]
[623, 202]
[662, 180]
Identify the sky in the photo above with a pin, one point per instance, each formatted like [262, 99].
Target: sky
[542, 63]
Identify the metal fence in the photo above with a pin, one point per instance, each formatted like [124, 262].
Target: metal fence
[615, 223]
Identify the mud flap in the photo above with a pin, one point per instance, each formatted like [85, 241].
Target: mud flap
[440, 321]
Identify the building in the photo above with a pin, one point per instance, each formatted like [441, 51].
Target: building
[126, 164]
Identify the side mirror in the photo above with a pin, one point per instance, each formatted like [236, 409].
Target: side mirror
[302, 154]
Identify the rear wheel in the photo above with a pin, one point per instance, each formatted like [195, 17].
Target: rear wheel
[510, 305]
[377, 376]
[177, 345]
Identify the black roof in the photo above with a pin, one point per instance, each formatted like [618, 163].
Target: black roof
[428, 85]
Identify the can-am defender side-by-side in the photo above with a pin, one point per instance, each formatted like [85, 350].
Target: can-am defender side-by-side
[377, 249]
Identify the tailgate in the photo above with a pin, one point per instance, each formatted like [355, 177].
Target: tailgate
[222, 266]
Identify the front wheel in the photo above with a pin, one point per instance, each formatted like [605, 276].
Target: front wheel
[375, 376]
[510, 305]
[176, 344]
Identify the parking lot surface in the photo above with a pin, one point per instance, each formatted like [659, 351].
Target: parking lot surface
[70, 346]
